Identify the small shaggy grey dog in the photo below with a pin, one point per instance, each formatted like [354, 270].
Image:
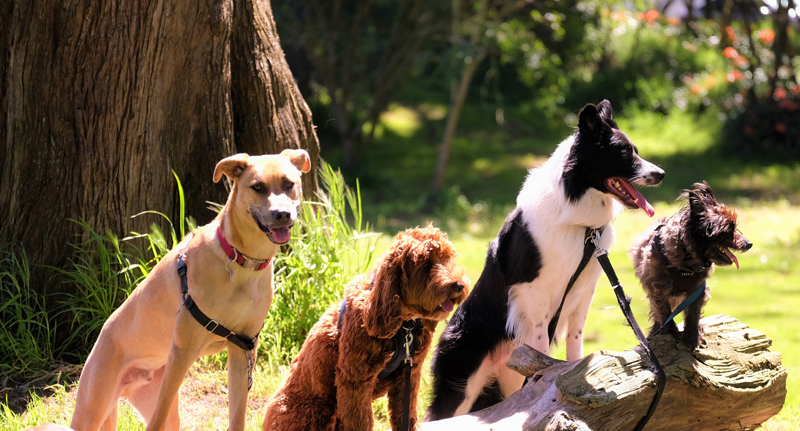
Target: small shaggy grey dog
[677, 254]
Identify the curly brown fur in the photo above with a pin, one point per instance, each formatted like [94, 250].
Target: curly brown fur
[334, 379]
[677, 254]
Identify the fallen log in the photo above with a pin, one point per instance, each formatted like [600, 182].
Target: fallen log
[731, 382]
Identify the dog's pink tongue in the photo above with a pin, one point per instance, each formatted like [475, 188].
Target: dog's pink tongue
[447, 306]
[731, 257]
[281, 234]
[641, 202]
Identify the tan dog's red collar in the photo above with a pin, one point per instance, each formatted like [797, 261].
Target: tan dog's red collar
[235, 256]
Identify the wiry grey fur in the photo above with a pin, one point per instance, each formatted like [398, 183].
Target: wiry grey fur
[691, 242]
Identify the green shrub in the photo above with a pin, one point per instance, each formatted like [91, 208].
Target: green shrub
[325, 252]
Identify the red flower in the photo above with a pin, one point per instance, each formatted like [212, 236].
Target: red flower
[767, 35]
[735, 76]
[674, 21]
[780, 127]
[731, 33]
[780, 93]
[730, 52]
[652, 15]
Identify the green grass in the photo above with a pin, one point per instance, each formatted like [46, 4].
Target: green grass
[26, 329]
[763, 294]
[488, 166]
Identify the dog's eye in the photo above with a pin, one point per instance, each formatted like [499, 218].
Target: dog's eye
[288, 185]
[258, 187]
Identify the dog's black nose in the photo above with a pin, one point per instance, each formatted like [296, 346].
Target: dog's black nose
[747, 244]
[656, 176]
[279, 215]
[458, 286]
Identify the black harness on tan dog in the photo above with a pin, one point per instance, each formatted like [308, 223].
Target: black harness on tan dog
[404, 344]
[245, 343]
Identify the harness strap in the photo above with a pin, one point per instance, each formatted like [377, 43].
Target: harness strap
[588, 249]
[398, 339]
[684, 305]
[245, 343]
[624, 303]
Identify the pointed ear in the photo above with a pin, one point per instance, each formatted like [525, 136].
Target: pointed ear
[704, 190]
[232, 167]
[606, 113]
[299, 159]
[382, 317]
[589, 121]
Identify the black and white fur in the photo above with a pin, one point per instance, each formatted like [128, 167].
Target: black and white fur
[531, 261]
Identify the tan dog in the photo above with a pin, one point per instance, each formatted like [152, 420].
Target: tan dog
[147, 346]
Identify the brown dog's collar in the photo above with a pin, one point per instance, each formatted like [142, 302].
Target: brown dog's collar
[235, 256]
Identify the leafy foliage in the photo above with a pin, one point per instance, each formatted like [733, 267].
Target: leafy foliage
[325, 252]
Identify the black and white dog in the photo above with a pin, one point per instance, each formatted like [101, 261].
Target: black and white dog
[529, 264]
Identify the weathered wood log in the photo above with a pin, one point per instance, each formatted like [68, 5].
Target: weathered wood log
[731, 382]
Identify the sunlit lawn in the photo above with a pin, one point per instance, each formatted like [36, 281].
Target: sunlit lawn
[764, 293]
[489, 166]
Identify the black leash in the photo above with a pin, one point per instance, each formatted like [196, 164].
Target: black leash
[588, 249]
[403, 346]
[624, 303]
[245, 343]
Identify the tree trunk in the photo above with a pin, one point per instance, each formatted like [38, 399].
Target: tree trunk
[102, 99]
[732, 382]
[454, 115]
[459, 90]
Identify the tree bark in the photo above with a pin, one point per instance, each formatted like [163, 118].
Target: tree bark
[732, 382]
[102, 99]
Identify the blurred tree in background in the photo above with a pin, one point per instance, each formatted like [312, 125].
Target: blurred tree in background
[735, 59]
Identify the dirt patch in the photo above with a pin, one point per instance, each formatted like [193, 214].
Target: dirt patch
[203, 404]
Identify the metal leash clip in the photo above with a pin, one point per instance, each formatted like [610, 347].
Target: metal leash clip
[230, 271]
[594, 237]
[409, 340]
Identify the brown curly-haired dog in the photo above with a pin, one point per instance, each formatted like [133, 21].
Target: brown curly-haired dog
[676, 255]
[334, 379]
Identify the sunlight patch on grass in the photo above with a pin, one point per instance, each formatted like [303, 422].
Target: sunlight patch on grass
[770, 182]
[401, 120]
[658, 135]
[433, 112]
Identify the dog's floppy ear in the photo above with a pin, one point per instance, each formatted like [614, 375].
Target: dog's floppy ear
[382, 317]
[606, 113]
[232, 167]
[299, 159]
